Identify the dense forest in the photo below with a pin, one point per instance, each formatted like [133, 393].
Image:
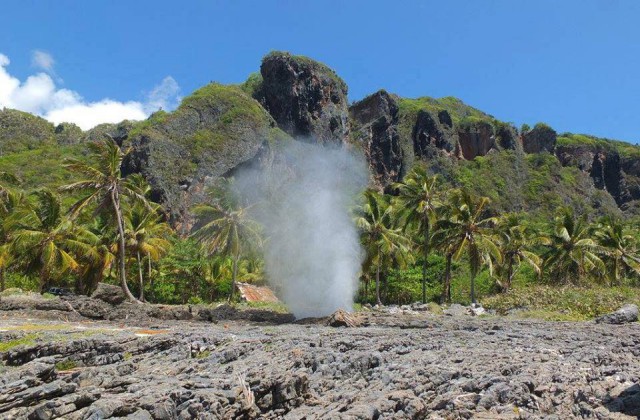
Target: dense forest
[460, 206]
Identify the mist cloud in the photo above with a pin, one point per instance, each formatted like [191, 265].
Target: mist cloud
[42, 60]
[313, 254]
[40, 95]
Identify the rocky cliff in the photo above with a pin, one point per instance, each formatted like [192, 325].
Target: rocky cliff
[613, 166]
[219, 128]
[306, 98]
[214, 130]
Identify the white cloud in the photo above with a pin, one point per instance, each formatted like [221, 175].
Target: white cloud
[39, 95]
[42, 60]
[164, 96]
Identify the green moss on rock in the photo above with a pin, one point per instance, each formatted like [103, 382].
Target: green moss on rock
[20, 131]
[213, 130]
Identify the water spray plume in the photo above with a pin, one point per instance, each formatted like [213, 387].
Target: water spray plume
[313, 254]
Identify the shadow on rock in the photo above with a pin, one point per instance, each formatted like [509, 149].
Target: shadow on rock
[628, 402]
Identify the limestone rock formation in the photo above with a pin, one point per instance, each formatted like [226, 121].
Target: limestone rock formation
[213, 131]
[432, 132]
[541, 138]
[118, 132]
[375, 122]
[109, 293]
[306, 98]
[475, 139]
[21, 131]
[624, 315]
[68, 133]
[610, 171]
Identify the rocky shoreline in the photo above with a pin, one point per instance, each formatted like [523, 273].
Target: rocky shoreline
[153, 362]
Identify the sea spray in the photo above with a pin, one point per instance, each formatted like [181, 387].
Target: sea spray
[304, 195]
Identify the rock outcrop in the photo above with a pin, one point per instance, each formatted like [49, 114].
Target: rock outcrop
[431, 133]
[616, 174]
[624, 315]
[213, 131]
[68, 133]
[118, 132]
[306, 98]
[109, 293]
[381, 366]
[20, 131]
[475, 139]
[541, 138]
[375, 131]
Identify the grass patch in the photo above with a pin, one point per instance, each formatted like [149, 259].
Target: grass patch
[563, 303]
[66, 365]
[203, 354]
[434, 308]
[26, 340]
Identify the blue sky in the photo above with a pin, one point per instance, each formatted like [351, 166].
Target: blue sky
[574, 64]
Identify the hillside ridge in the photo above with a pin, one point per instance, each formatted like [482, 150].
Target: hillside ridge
[219, 127]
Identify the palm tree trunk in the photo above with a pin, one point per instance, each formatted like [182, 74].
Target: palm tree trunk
[44, 281]
[507, 286]
[123, 279]
[149, 268]
[378, 301]
[149, 276]
[233, 276]
[446, 290]
[473, 287]
[424, 264]
[366, 289]
[140, 276]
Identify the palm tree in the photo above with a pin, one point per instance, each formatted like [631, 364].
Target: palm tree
[465, 231]
[94, 269]
[106, 189]
[572, 250]
[146, 236]
[51, 243]
[516, 240]
[11, 200]
[228, 230]
[417, 201]
[445, 241]
[618, 249]
[380, 237]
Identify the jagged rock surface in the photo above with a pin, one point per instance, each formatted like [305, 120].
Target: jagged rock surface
[375, 121]
[476, 139]
[405, 365]
[214, 130]
[306, 98]
[624, 315]
[541, 138]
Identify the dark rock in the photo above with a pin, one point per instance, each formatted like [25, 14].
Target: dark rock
[541, 138]
[213, 131]
[68, 133]
[109, 293]
[431, 133]
[475, 139]
[507, 137]
[455, 309]
[375, 121]
[624, 315]
[306, 98]
[341, 318]
[118, 132]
